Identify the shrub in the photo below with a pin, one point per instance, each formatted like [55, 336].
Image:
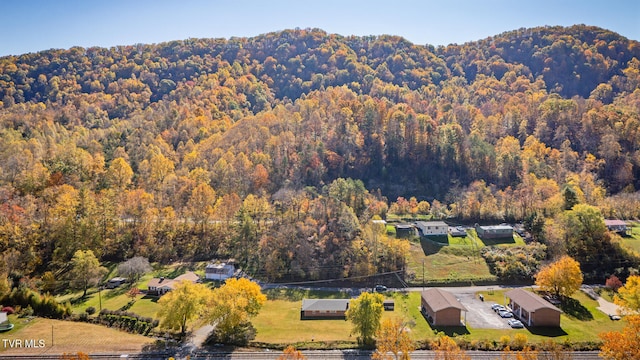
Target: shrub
[90, 310]
[9, 310]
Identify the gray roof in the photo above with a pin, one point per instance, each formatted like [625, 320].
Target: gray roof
[496, 227]
[439, 300]
[325, 304]
[529, 301]
[431, 223]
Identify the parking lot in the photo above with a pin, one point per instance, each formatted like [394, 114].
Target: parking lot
[480, 315]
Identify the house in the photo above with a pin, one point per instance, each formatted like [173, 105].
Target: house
[162, 285]
[494, 232]
[405, 231]
[221, 271]
[115, 282]
[531, 309]
[432, 228]
[617, 226]
[5, 325]
[441, 308]
[323, 309]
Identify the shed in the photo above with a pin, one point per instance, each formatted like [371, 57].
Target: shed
[494, 232]
[324, 308]
[389, 304]
[405, 230]
[441, 308]
[531, 309]
[115, 282]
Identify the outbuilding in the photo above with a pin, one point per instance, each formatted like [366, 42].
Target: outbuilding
[494, 232]
[531, 309]
[441, 308]
[221, 271]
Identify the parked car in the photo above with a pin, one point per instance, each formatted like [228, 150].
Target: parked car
[516, 324]
[614, 317]
[380, 288]
[505, 314]
[498, 308]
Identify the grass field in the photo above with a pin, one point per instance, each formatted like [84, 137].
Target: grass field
[633, 241]
[279, 322]
[71, 337]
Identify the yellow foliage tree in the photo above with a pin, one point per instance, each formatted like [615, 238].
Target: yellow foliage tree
[365, 313]
[232, 305]
[447, 349]
[182, 304]
[562, 277]
[629, 295]
[290, 353]
[393, 341]
[623, 345]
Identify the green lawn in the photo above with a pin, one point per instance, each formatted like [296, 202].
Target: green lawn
[279, 322]
[633, 241]
[446, 263]
[581, 323]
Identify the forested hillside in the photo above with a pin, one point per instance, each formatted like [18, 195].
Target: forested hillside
[247, 147]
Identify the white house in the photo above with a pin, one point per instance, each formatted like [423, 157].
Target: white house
[221, 271]
[432, 228]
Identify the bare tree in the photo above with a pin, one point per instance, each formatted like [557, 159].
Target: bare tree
[134, 268]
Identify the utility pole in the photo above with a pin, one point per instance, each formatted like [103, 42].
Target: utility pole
[422, 274]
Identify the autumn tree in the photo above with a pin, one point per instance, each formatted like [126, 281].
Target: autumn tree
[613, 283]
[624, 345]
[629, 295]
[184, 303]
[85, 270]
[230, 309]
[119, 173]
[446, 349]
[365, 313]
[290, 353]
[562, 277]
[134, 268]
[393, 341]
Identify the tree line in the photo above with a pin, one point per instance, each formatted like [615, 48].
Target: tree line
[277, 150]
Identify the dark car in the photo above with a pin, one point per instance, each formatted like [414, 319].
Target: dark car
[380, 288]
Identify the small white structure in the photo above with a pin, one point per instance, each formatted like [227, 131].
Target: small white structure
[221, 271]
[115, 282]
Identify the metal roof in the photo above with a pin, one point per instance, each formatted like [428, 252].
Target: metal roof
[439, 300]
[529, 301]
[325, 304]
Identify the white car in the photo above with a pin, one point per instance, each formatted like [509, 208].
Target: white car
[506, 314]
[516, 324]
[498, 308]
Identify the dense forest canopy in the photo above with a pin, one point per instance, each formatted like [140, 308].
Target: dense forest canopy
[148, 149]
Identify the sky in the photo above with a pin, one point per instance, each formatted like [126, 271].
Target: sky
[35, 25]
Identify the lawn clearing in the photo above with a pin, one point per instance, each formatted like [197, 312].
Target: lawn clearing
[632, 241]
[73, 337]
[446, 263]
